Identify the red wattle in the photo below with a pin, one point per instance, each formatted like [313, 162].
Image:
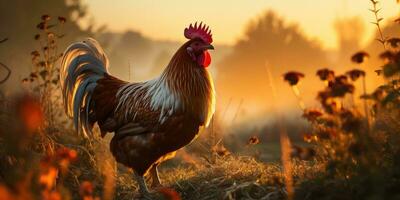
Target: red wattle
[206, 59]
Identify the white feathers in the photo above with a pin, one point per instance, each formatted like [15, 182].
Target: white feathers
[82, 65]
[161, 97]
[155, 94]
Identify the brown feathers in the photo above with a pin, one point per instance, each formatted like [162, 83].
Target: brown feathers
[104, 99]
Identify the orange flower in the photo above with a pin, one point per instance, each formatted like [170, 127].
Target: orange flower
[86, 190]
[5, 194]
[65, 156]
[30, 112]
[48, 178]
[51, 195]
[169, 193]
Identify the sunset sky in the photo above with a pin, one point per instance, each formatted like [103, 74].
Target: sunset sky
[161, 19]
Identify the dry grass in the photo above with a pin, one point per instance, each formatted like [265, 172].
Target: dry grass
[230, 177]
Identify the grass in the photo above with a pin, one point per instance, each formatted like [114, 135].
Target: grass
[230, 177]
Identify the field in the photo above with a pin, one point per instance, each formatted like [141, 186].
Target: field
[348, 147]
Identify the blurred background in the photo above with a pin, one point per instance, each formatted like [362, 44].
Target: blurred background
[256, 42]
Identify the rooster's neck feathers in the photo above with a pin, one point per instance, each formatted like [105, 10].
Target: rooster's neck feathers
[183, 86]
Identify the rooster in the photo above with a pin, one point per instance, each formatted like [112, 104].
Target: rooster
[151, 120]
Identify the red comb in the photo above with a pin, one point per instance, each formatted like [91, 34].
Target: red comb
[202, 31]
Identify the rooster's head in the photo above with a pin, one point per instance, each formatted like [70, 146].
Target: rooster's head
[200, 41]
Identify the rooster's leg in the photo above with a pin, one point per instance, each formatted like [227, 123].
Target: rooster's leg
[154, 176]
[142, 185]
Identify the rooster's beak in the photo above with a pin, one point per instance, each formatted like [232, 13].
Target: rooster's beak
[209, 47]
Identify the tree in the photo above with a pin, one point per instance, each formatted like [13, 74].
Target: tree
[267, 41]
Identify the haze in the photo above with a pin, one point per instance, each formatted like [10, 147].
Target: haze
[163, 20]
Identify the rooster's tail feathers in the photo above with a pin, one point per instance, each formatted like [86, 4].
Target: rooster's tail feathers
[82, 65]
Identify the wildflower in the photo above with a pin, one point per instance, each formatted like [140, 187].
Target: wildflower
[50, 35]
[359, 57]
[5, 193]
[66, 154]
[387, 55]
[394, 42]
[41, 26]
[378, 72]
[340, 86]
[62, 20]
[341, 79]
[48, 178]
[325, 74]
[169, 193]
[33, 75]
[312, 114]
[86, 190]
[25, 80]
[327, 102]
[45, 17]
[293, 77]
[51, 195]
[355, 74]
[30, 112]
[35, 53]
[253, 140]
